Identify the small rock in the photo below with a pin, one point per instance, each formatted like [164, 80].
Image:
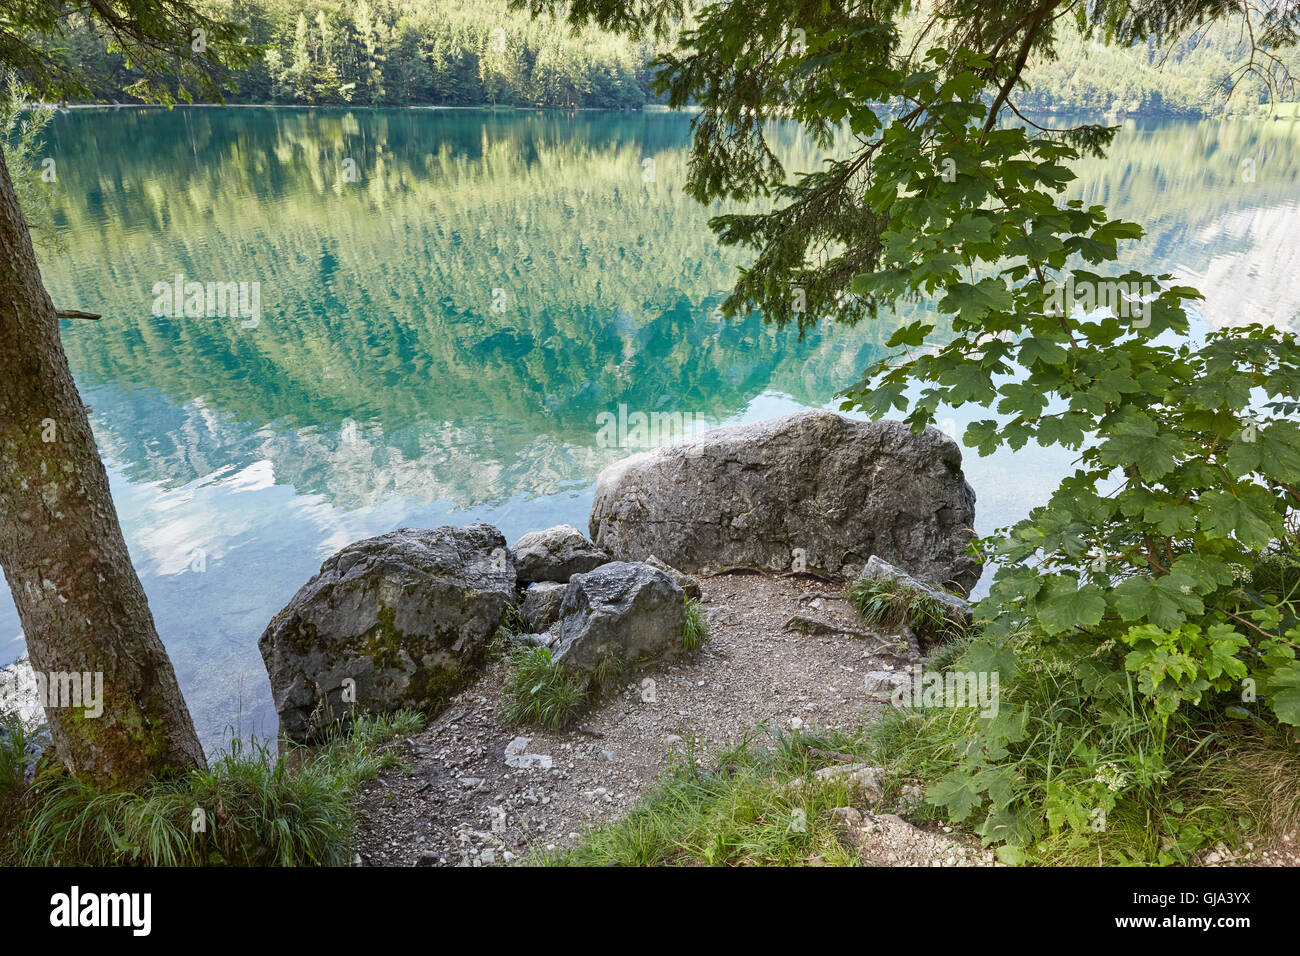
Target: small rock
[883, 681]
[866, 778]
[625, 611]
[849, 815]
[540, 607]
[954, 607]
[555, 554]
[545, 639]
[516, 756]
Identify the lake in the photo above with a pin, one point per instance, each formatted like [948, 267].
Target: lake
[420, 317]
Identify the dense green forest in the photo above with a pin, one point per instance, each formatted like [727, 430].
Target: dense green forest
[400, 52]
[477, 52]
[1188, 78]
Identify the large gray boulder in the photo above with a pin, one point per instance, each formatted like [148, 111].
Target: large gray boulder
[621, 611]
[400, 620]
[813, 486]
[555, 554]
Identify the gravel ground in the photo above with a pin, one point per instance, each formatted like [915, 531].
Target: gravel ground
[1284, 850]
[483, 793]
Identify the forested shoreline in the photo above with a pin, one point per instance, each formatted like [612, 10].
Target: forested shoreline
[481, 53]
[408, 52]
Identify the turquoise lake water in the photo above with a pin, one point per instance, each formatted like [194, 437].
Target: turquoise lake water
[447, 301]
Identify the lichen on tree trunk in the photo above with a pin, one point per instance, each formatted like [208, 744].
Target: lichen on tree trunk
[81, 604]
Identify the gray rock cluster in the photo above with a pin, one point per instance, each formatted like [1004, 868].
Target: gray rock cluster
[405, 619]
[589, 609]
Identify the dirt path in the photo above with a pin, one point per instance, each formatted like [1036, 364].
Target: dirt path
[483, 793]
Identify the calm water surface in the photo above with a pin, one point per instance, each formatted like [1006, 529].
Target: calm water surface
[439, 332]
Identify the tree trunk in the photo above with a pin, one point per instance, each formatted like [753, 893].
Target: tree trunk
[82, 607]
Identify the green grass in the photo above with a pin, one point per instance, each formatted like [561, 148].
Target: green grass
[744, 810]
[539, 692]
[13, 762]
[696, 630]
[890, 604]
[13, 753]
[1258, 779]
[250, 808]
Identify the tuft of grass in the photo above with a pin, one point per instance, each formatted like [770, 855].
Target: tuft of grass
[250, 808]
[540, 692]
[610, 671]
[696, 629]
[13, 755]
[752, 807]
[1259, 780]
[890, 604]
